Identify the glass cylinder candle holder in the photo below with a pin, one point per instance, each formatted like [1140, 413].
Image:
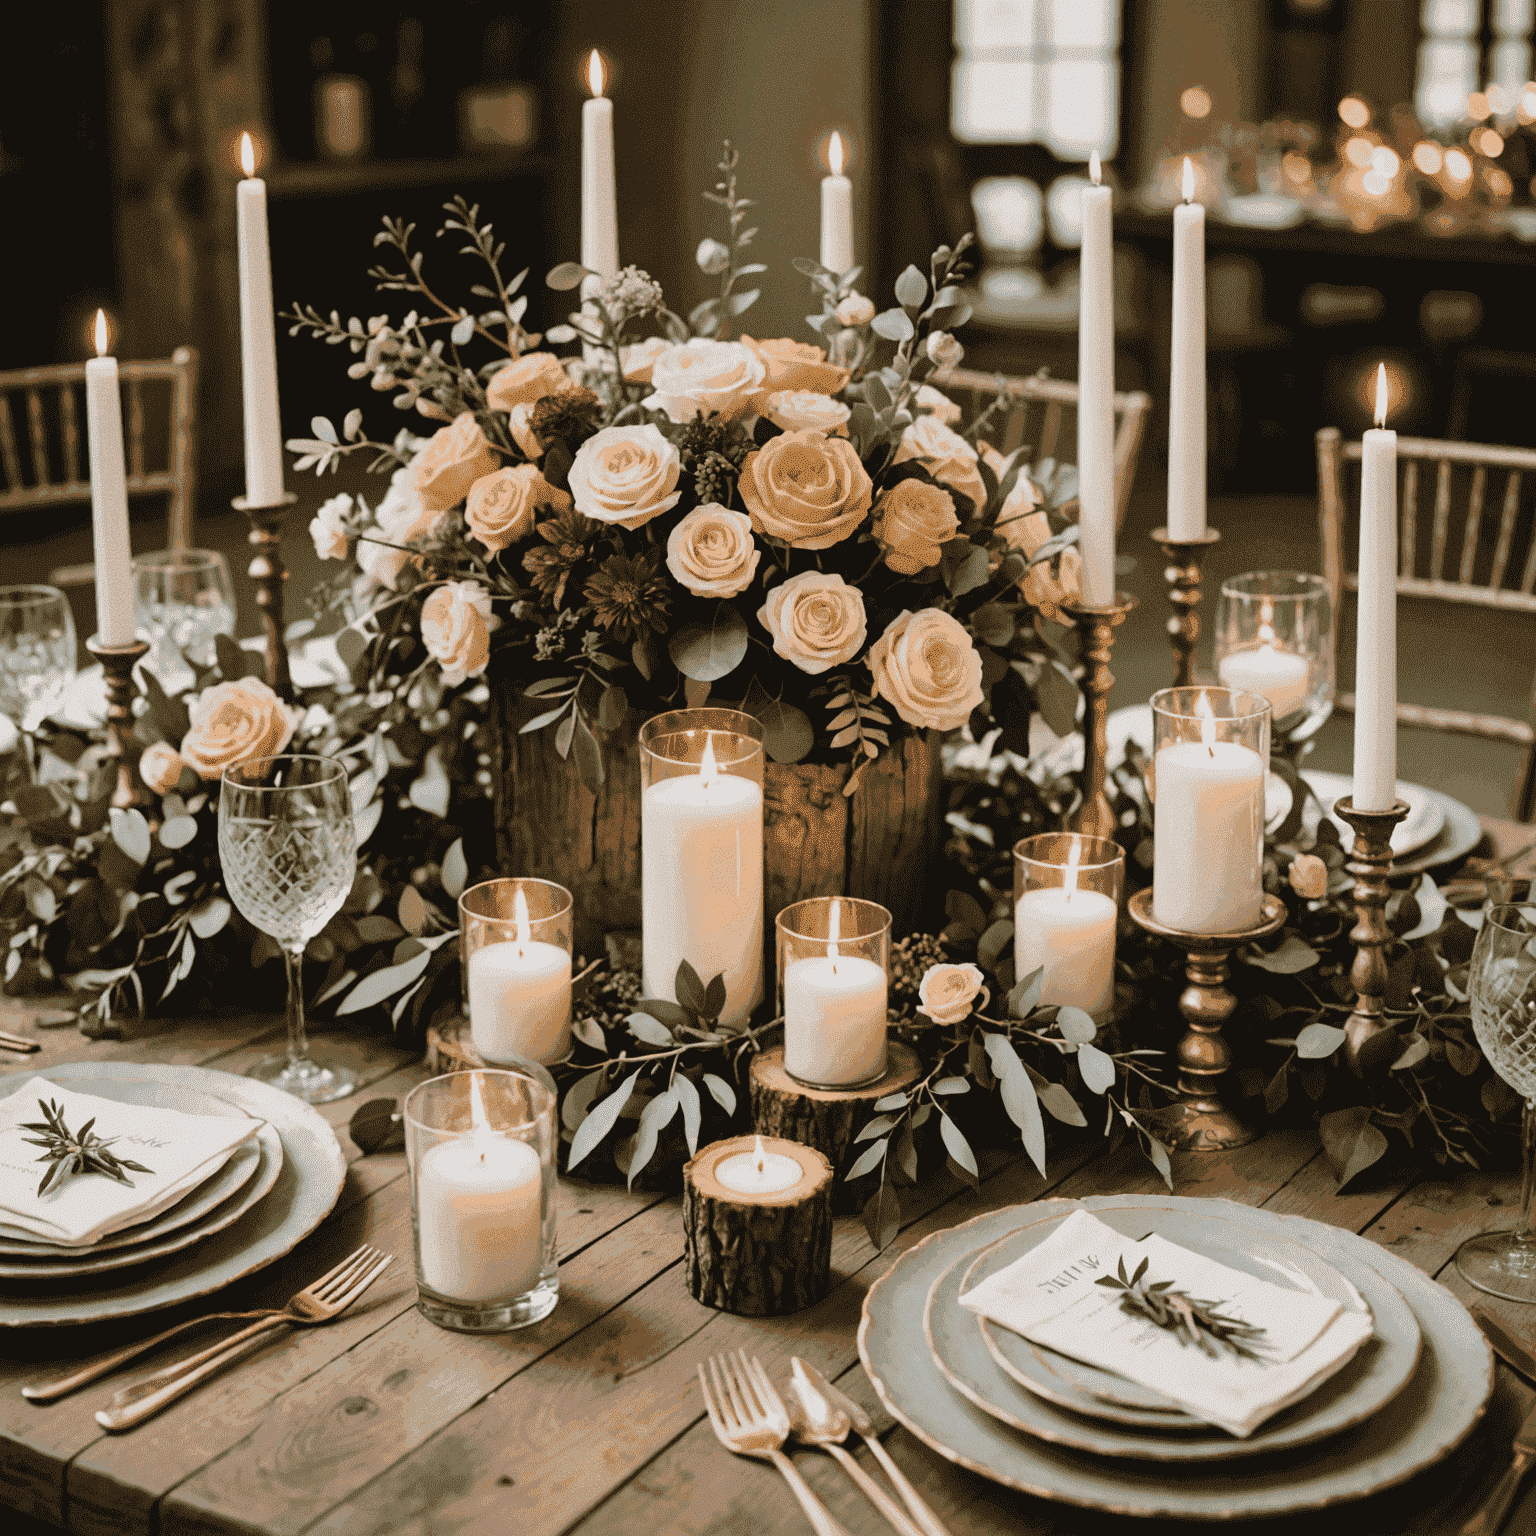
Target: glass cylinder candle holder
[701, 853]
[481, 1147]
[1274, 636]
[515, 944]
[1209, 761]
[1066, 902]
[834, 956]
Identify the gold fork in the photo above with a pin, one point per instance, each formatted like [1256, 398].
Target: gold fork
[317, 1304]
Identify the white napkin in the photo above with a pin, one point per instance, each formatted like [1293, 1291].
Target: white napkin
[183, 1150]
[1051, 1297]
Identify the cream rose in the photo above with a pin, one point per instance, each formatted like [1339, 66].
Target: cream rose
[948, 993]
[926, 667]
[639, 360]
[454, 458]
[817, 621]
[803, 410]
[401, 519]
[1046, 592]
[160, 767]
[328, 528]
[944, 349]
[705, 378]
[934, 402]
[854, 309]
[912, 520]
[945, 454]
[712, 552]
[526, 379]
[519, 424]
[456, 629]
[795, 365]
[625, 475]
[501, 508]
[1027, 531]
[233, 721]
[806, 488]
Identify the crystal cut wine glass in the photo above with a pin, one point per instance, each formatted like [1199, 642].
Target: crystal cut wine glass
[1503, 991]
[37, 652]
[182, 599]
[289, 851]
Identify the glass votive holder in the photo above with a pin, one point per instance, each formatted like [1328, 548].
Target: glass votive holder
[834, 955]
[1210, 758]
[515, 945]
[481, 1147]
[1274, 636]
[701, 854]
[1066, 902]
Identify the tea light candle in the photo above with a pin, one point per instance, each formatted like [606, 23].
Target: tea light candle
[1071, 933]
[480, 1213]
[520, 996]
[759, 1172]
[834, 1016]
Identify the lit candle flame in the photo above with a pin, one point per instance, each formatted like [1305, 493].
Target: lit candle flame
[1069, 885]
[520, 916]
[707, 766]
[835, 153]
[1095, 170]
[1266, 623]
[1189, 181]
[101, 333]
[1207, 724]
[595, 72]
[1381, 394]
[834, 928]
[247, 155]
[759, 1153]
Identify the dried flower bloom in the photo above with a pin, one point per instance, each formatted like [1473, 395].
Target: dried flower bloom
[628, 595]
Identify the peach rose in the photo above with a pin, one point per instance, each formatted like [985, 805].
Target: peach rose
[912, 520]
[1308, 876]
[712, 552]
[934, 402]
[625, 475]
[705, 378]
[817, 621]
[948, 993]
[639, 359]
[795, 365]
[501, 508]
[1027, 531]
[925, 665]
[803, 410]
[160, 767]
[1046, 592]
[233, 721]
[328, 528]
[454, 458]
[526, 379]
[456, 629]
[518, 424]
[806, 488]
[946, 456]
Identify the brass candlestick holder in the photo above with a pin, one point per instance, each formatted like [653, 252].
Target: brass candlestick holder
[1202, 1123]
[1370, 862]
[1182, 573]
[1097, 627]
[117, 663]
[268, 572]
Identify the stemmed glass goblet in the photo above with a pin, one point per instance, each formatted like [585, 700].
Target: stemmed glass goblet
[182, 599]
[37, 654]
[289, 852]
[1503, 990]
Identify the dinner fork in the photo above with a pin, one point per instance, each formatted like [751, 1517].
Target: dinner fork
[317, 1304]
[750, 1419]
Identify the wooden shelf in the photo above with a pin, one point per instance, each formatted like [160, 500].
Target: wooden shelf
[341, 178]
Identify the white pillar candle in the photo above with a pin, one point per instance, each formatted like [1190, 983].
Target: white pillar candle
[520, 1001]
[1186, 386]
[258, 340]
[480, 1214]
[758, 1172]
[1072, 934]
[701, 884]
[836, 213]
[1282, 677]
[1375, 785]
[834, 1016]
[109, 496]
[1096, 397]
[599, 196]
[1208, 834]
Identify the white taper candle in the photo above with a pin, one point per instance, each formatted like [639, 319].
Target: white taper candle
[599, 192]
[258, 339]
[1186, 387]
[1375, 785]
[836, 212]
[1096, 397]
[109, 496]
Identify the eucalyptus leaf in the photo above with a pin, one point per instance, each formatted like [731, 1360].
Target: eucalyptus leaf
[455, 870]
[601, 1119]
[377, 1126]
[654, 1118]
[1075, 1024]
[958, 1147]
[882, 1216]
[724, 1094]
[1293, 955]
[1351, 1141]
[380, 985]
[643, 1027]
[893, 325]
[708, 652]
[1097, 1068]
[688, 1098]
[1319, 1040]
[868, 1160]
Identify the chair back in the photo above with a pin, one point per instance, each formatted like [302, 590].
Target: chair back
[1052, 398]
[48, 465]
[1448, 549]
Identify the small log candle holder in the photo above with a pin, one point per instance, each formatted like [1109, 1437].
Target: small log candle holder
[1097, 627]
[1182, 573]
[758, 1253]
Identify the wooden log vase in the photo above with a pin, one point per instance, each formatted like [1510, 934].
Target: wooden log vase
[760, 1254]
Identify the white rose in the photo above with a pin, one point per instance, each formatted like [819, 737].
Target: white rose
[401, 518]
[817, 620]
[948, 993]
[855, 309]
[946, 456]
[328, 528]
[944, 350]
[625, 475]
[518, 424]
[934, 402]
[803, 410]
[712, 552]
[703, 377]
[456, 628]
[926, 667]
[639, 360]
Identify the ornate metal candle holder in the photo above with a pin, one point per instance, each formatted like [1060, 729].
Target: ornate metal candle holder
[268, 572]
[1097, 627]
[1182, 573]
[117, 663]
[1370, 862]
[1202, 1123]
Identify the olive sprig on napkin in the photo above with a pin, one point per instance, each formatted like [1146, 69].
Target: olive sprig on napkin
[1200, 1323]
[70, 1152]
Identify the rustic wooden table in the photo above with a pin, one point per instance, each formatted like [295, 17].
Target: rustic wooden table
[592, 1421]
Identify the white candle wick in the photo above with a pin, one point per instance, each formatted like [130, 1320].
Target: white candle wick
[1207, 724]
[247, 155]
[520, 916]
[480, 1125]
[835, 153]
[1069, 885]
[101, 333]
[594, 75]
[1189, 181]
[1381, 394]
[759, 1154]
[1095, 170]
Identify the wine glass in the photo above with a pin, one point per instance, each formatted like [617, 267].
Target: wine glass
[182, 598]
[1274, 636]
[289, 852]
[1503, 988]
[37, 653]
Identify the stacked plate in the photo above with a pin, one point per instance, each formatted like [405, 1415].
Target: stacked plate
[1032, 1419]
[271, 1193]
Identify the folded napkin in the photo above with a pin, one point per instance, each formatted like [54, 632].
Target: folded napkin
[1051, 1297]
[182, 1150]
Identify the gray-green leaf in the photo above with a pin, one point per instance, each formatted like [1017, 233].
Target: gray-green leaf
[600, 1120]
